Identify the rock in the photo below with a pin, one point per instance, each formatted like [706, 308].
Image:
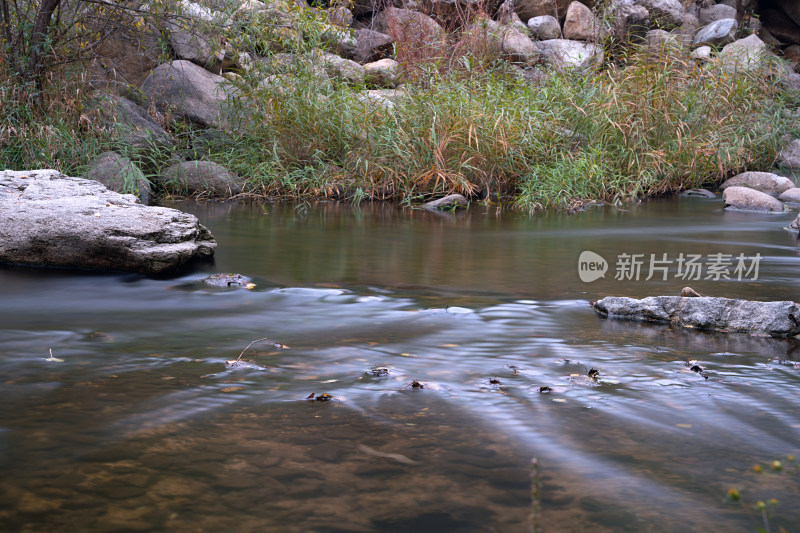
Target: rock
[664, 14]
[228, 280]
[766, 182]
[340, 42]
[688, 292]
[340, 16]
[202, 177]
[450, 9]
[579, 24]
[125, 55]
[701, 193]
[660, 40]
[134, 125]
[190, 42]
[382, 73]
[568, 55]
[701, 54]
[751, 200]
[505, 39]
[528, 9]
[790, 82]
[629, 21]
[792, 55]
[340, 68]
[717, 33]
[544, 27]
[407, 27]
[687, 30]
[749, 54]
[191, 93]
[790, 155]
[49, 219]
[795, 225]
[372, 45]
[451, 201]
[775, 319]
[790, 195]
[119, 174]
[715, 12]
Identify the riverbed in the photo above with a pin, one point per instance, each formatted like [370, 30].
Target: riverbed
[139, 422]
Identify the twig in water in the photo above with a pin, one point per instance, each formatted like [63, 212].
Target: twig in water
[234, 362]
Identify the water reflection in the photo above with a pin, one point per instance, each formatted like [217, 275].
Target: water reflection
[144, 426]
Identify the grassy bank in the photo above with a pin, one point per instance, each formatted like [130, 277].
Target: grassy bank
[465, 124]
[656, 126]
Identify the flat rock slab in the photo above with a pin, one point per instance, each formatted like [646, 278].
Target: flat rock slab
[49, 219]
[774, 319]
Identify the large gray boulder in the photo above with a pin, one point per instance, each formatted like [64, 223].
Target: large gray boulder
[761, 181]
[527, 9]
[409, 27]
[664, 14]
[382, 73]
[544, 27]
[775, 319]
[716, 12]
[629, 21]
[565, 54]
[131, 122]
[192, 41]
[791, 196]
[372, 45]
[749, 199]
[340, 68]
[746, 55]
[580, 24]
[119, 174]
[204, 177]
[718, 33]
[192, 93]
[49, 219]
[790, 155]
[504, 39]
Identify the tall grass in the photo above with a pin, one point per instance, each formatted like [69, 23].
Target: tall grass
[658, 125]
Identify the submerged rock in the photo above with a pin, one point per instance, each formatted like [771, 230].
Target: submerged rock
[228, 280]
[775, 319]
[49, 219]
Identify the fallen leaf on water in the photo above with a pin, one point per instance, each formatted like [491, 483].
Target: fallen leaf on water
[449, 345]
[231, 389]
[250, 286]
[687, 426]
[560, 400]
[167, 378]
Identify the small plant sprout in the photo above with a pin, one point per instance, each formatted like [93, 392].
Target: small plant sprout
[54, 359]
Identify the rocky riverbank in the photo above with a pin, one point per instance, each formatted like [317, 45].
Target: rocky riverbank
[549, 102]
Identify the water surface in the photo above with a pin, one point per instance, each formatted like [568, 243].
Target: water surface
[143, 426]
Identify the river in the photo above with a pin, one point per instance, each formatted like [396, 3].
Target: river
[137, 423]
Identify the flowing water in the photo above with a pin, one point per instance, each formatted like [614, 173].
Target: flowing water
[138, 424]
